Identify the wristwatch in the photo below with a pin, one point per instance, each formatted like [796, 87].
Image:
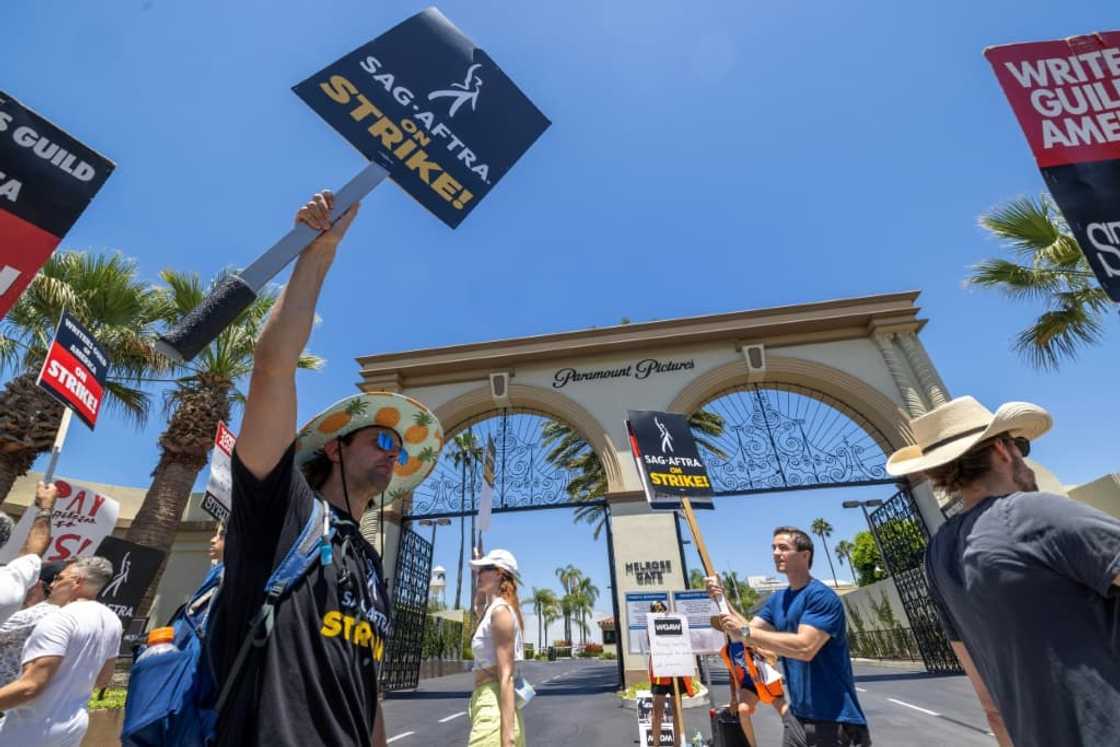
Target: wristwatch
[745, 631]
[44, 512]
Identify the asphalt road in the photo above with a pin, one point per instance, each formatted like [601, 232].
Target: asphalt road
[576, 705]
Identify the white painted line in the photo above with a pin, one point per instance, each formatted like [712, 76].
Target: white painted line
[399, 736]
[453, 715]
[916, 708]
[860, 689]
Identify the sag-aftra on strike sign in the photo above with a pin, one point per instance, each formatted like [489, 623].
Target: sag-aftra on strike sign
[430, 106]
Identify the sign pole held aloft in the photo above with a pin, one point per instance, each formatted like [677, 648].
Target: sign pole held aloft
[678, 714]
[237, 291]
[59, 440]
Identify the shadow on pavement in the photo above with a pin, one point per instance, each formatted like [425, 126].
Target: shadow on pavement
[903, 676]
[428, 695]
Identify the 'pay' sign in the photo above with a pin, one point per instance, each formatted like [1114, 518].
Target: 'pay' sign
[82, 517]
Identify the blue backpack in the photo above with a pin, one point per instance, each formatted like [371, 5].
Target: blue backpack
[173, 698]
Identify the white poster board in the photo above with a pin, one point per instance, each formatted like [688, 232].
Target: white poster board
[82, 517]
[699, 609]
[638, 607]
[219, 487]
[645, 721]
[670, 648]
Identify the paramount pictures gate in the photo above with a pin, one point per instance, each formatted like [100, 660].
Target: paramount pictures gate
[400, 669]
[786, 399]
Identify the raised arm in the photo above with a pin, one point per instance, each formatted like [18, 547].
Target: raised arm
[39, 538]
[269, 426]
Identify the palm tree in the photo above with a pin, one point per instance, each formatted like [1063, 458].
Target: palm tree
[823, 529]
[571, 451]
[696, 579]
[206, 390]
[569, 577]
[466, 452]
[551, 615]
[843, 551]
[541, 601]
[587, 593]
[104, 294]
[1049, 267]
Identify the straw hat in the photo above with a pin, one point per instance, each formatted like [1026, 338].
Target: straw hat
[948, 432]
[419, 430]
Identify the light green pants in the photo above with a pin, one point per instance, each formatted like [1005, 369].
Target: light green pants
[486, 719]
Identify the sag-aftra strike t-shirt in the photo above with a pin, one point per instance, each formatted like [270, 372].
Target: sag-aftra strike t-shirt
[316, 681]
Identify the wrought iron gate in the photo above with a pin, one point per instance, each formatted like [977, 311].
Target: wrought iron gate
[903, 537]
[400, 669]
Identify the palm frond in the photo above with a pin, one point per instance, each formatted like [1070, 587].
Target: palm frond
[131, 403]
[1015, 280]
[1058, 334]
[1025, 224]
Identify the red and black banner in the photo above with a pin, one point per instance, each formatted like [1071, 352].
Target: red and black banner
[1066, 96]
[74, 370]
[46, 180]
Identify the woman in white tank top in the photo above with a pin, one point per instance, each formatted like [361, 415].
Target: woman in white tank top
[497, 647]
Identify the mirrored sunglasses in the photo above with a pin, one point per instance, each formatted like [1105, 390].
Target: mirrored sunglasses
[1022, 444]
[386, 442]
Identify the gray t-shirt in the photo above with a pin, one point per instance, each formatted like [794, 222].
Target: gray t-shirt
[1025, 581]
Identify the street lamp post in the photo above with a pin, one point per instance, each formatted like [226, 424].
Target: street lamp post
[433, 523]
[862, 505]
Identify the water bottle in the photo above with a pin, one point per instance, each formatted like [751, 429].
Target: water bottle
[160, 641]
[697, 740]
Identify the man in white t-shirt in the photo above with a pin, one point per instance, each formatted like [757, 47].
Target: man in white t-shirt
[70, 652]
[41, 601]
[23, 572]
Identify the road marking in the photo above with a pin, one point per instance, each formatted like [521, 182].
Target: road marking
[399, 736]
[453, 715]
[916, 708]
[860, 689]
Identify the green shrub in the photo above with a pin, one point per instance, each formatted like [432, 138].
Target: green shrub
[607, 656]
[113, 700]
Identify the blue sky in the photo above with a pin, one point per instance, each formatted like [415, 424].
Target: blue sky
[703, 157]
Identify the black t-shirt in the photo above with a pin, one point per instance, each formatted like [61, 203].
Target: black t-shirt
[316, 681]
[1025, 581]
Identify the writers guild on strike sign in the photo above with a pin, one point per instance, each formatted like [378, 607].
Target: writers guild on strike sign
[82, 517]
[75, 369]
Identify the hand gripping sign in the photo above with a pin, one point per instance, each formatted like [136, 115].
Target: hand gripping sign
[1066, 96]
[46, 180]
[429, 109]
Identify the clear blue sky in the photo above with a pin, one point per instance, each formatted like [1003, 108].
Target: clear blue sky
[704, 157]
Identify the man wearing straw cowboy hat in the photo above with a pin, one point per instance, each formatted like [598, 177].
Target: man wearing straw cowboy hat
[314, 680]
[1026, 582]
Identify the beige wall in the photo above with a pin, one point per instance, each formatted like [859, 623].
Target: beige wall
[861, 600]
[1102, 493]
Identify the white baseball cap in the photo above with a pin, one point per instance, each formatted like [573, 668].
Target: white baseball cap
[499, 559]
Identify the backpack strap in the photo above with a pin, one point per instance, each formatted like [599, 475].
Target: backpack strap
[302, 555]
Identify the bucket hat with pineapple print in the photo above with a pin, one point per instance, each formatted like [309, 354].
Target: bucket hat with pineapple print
[418, 427]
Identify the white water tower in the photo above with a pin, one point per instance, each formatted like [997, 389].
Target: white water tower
[437, 585]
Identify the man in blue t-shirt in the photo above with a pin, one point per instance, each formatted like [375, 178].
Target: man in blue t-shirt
[805, 626]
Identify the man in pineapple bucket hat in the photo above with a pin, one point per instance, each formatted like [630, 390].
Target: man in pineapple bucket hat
[314, 680]
[1026, 583]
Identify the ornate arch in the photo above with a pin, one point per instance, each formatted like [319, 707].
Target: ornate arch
[854, 397]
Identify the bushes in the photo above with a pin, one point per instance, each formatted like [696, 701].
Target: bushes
[441, 639]
[593, 648]
[607, 656]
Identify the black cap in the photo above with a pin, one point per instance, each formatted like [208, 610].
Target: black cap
[50, 570]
